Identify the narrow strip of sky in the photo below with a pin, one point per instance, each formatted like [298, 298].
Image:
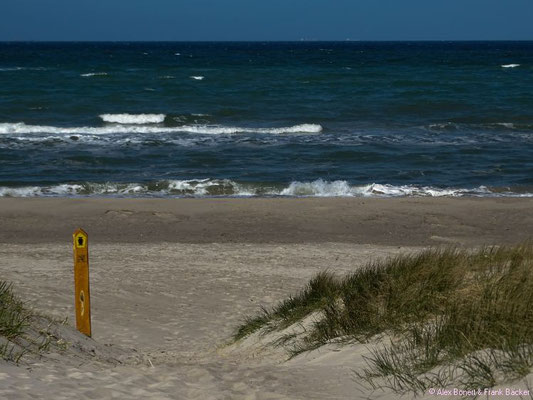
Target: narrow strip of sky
[115, 20]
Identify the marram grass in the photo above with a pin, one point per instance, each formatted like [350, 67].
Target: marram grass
[449, 315]
[13, 320]
[24, 331]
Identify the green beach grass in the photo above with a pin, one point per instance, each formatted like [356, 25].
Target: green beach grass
[439, 317]
[23, 331]
[14, 318]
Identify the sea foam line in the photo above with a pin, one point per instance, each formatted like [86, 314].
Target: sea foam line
[510, 65]
[89, 74]
[133, 118]
[22, 128]
[227, 187]
[10, 69]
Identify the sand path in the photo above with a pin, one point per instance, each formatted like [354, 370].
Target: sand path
[176, 305]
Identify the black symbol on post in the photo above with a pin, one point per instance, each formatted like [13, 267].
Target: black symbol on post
[80, 241]
[82, 303]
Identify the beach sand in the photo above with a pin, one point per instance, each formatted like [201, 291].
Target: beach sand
[171, 280]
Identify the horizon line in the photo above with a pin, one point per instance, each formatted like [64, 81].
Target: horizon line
[269, 41]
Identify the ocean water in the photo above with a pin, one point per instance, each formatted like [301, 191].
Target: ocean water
[266, 119]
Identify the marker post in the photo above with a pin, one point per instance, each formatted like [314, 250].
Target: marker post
[81, 282]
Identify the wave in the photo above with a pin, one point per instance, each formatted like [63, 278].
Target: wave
[216, 130]
[133, 118]
[10, 69]
[87, 75]
[227, 187]
[454, 126]
[340, 188]
[510, 65]
[508, 125]
[198, 78]
[22, 128]
[194, 187]
[443, 126]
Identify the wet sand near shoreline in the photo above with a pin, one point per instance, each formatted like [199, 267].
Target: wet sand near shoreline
[390, 221]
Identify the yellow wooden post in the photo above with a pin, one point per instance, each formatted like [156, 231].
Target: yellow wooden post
[81, 282]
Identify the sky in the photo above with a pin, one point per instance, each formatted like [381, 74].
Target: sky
[241, 20]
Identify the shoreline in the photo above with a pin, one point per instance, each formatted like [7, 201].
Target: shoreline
[408, 221]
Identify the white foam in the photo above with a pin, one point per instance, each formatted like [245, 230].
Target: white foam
[318, 188]
[28, 191]
[37, 191]
[193, 187]
[227, 187]
[138, 127]
[198, 78]
[94, 74]
[340, 188]
[217, 130]
[206, 187]
[9, 69]
[410, 190]
[509, 125]
[510, 65]
[445, 125]
[138, 119]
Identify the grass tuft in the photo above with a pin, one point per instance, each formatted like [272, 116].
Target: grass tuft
[13, 316]
[321, 290]
[13, 320]
[466, 314]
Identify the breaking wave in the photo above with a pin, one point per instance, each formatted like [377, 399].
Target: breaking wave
[138, 127]
[340, 188]
[88, 75]
[510, 65]
[230, 188]
[10, 69]
[206, 129]
[138, 119]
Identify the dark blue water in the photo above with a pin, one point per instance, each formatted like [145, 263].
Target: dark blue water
[339, 118]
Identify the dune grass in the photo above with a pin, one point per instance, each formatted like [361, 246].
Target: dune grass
[471, 311]
[13, 320]
[24, 331]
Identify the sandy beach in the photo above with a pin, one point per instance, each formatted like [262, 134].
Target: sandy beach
[387, 221]
[172, 279]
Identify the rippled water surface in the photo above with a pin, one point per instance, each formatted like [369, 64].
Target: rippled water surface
[269, 119]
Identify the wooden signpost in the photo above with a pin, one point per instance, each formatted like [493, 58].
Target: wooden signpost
[81, 282]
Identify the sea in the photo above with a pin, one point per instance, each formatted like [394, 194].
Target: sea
[234, 119]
